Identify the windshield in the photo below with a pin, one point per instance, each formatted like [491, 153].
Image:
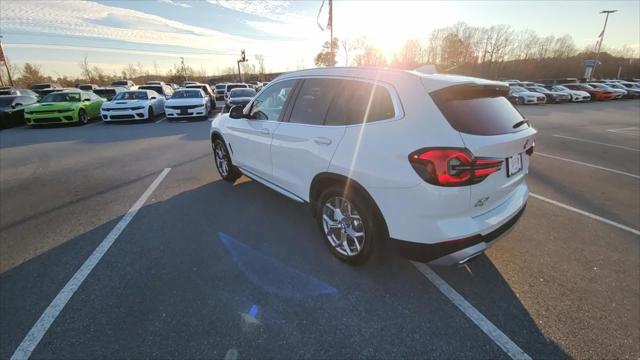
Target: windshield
[231, 87]
[560, 88]
[187, 94]
[6, 92]
[221, 86]
[6, 101]
[85, 87]
[517, 89]
[539, 89]
[131, 95]
[40, 86]
[155, 88]
[105, 93]
[61, 97]
[120, 83]
[242, 93]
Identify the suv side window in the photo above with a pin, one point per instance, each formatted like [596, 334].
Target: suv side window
[313, 100]
[358, 102]
[270, 103]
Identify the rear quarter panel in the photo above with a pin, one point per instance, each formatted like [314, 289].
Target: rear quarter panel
[376, 154]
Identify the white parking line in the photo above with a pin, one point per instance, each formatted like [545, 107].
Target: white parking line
[50, 314]
[474, 315]
[587, 214]
[589, 165]
[635, 131]
[161, 120]
[597, 142]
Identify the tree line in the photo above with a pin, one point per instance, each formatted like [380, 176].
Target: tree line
[495, 52]
[31, 73]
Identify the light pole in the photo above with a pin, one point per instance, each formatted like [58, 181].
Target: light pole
[606, 19]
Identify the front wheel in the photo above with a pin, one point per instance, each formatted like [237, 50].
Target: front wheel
[351, 227]
[150, 114]
[83, 119]
[519, 101]
[225, 167]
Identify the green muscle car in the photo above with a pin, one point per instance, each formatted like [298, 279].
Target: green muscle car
[62, 107]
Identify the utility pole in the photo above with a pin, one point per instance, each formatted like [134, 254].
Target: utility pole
[4, 60]
[330, 26]
[243, 58]
[606, 19]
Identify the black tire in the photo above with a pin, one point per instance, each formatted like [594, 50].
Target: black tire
[519, 101]
[150, 114]
[220, 152]
[83, 119]
[370, 221]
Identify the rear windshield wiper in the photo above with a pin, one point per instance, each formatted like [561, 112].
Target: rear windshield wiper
[520, 123]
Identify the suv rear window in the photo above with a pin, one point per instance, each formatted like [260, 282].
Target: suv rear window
[479, 110]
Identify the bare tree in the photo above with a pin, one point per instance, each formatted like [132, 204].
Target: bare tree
[261, 70]
[410, 56]
[32, 74]
[85, 70]
[156, 70]
[371, 57]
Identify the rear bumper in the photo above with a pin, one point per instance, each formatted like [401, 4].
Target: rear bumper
[454, 251]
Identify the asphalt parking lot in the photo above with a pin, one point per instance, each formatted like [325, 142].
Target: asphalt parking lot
[205, 269]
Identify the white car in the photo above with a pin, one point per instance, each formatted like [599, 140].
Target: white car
[133, 105]
[386, 155]
[187, 103]
[576, 95]
[522, 96]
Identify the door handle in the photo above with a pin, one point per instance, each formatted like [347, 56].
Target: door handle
[322, 141]
[264, 131]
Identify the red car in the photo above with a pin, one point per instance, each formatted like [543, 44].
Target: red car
[596, 94]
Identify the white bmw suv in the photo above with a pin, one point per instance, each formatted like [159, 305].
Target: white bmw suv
[435, 164]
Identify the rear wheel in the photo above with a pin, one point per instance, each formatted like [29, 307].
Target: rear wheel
[225, 167]
[83, 119]
[351, 227]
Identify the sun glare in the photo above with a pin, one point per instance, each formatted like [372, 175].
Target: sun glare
[387, 28]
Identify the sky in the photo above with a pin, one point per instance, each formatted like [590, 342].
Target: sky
[209, 34]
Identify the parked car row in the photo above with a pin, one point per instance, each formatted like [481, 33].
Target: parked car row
[528, 93]
[75, 106]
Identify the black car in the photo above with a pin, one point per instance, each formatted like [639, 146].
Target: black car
[552, 96]
[239, 96]
[12, 109]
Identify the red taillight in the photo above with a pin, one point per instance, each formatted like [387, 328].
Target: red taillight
[451, 166]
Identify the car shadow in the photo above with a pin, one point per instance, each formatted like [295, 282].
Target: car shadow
[240, 269]
[97, 132]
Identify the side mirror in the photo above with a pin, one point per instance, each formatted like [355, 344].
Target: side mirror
[87, 99]
[236, 112]
[152, 98]
[16, 105]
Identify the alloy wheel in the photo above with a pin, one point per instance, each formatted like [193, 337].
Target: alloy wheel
[220, 153]
[343, 226]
